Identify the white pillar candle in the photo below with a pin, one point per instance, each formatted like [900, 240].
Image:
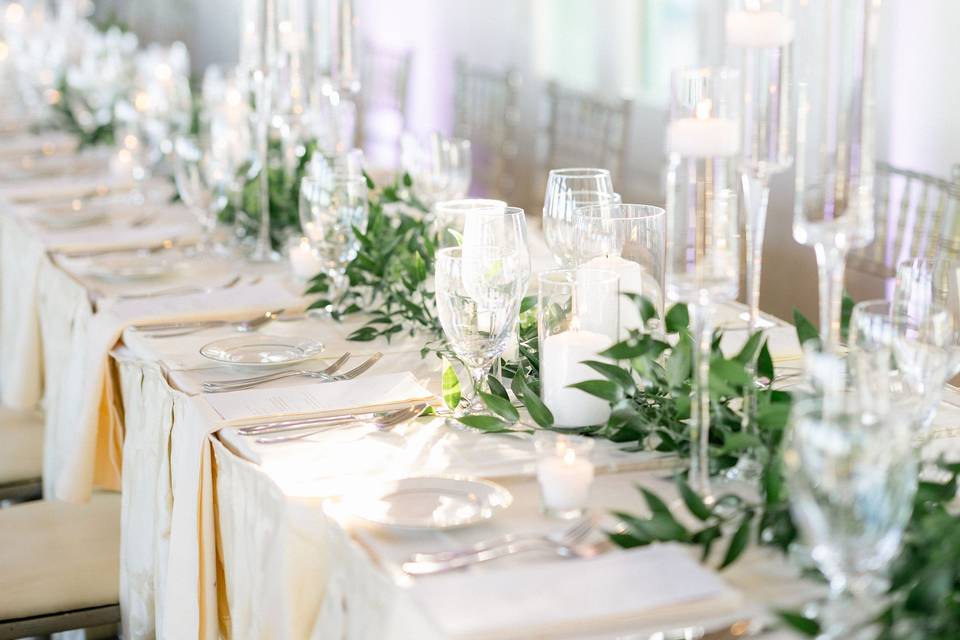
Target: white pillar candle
[560, 358]
[703, 137]
[758, 29]
[304, 261]
[565, 481]
[631, 281]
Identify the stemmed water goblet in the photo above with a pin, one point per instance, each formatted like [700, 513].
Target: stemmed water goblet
[201, 183]
[439, 166]
[852, 475]
[903, 356]
[703, 259]
[331, 208]
[568, 190]
[833, 202]
[478, 294]
[925, 285]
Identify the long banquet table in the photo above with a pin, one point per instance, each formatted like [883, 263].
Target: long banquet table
[222, 537]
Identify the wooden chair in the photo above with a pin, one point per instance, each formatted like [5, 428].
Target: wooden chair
[21, 454]
[382, 101]
[916, 215]
[59, 566]
[486, 112]
[583, 130]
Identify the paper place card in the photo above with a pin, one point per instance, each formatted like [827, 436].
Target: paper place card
[636, 587]
[315, 397]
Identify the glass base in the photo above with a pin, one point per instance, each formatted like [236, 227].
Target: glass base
[563, 514]
[762, 323]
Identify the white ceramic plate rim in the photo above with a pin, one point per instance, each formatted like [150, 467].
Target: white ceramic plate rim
[162, 268]
[314, 348]
[353, 502]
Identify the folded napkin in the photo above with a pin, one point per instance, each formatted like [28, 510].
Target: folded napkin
[28, 144]
[82, 403]
[49, 189]
[119, 237]
[646, 586]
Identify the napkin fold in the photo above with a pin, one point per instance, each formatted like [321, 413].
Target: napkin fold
[80, 412]
[639, 587]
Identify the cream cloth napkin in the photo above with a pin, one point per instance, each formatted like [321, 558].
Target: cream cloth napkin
[638, 587]
[73, 470]
[50, 190]
[29, 144]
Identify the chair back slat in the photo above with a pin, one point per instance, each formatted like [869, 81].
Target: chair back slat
[584, 131]
[486, 112]
[915, 215]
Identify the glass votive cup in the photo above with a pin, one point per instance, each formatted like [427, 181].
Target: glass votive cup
[304, 260]
[564, 472]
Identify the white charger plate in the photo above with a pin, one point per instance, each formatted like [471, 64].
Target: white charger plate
[429, 502]
[258, 350]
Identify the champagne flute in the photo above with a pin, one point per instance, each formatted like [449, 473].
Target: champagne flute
[703, 259]
[833, 202]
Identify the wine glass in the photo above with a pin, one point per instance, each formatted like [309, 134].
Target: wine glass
[852, 475]
[833, 202]
[911, 350]
[760, 45]
[925, 283]
[440, 166]
[201, 182]
[629, 239]
[450, 217]
[330, 209]
[703, 257]
[568, 190]
[478, 294]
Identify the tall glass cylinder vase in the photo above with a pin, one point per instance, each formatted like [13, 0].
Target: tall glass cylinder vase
[760, 45]
[703, 259]
[833, 206]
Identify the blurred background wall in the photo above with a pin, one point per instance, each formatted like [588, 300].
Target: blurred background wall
[620, 48]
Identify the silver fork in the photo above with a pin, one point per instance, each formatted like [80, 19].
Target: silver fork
[182, 290]
[570, 535]
[244, 326]
[564, 549]
[219, 386]
[385, 422]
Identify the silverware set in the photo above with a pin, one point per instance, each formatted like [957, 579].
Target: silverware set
[176, 329]
[567, 543]
[278, 432]
[220, 386]
[190, 289]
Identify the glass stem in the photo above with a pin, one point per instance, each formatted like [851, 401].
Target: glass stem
[477, 375]
[699, 479]
[263, 252]
[831, 261]
[756, 195]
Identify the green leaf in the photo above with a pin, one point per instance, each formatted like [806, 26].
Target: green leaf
[489, 424]
[806, 332]
[679, 363]
[678, 318]
[846, 311]
[613, 373]
[765, 363]
[654, 503]
[605, 389]
[800, 623]
[750, 349]
[535, 407]
[501, 407]
[694, 503]
[647, 311]
[496, 388]
[407, 180]
[450, 385]
[738, 543]
[528, 303]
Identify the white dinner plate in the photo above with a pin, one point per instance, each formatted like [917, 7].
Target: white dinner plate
[261, 350]
[68, 218]
[428, 502]
[127, 267]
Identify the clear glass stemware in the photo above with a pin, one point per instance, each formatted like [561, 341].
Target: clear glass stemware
[568, 190]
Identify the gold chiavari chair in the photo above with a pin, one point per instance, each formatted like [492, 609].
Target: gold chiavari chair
[583, 130]
[486, 112]
[916, 215]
